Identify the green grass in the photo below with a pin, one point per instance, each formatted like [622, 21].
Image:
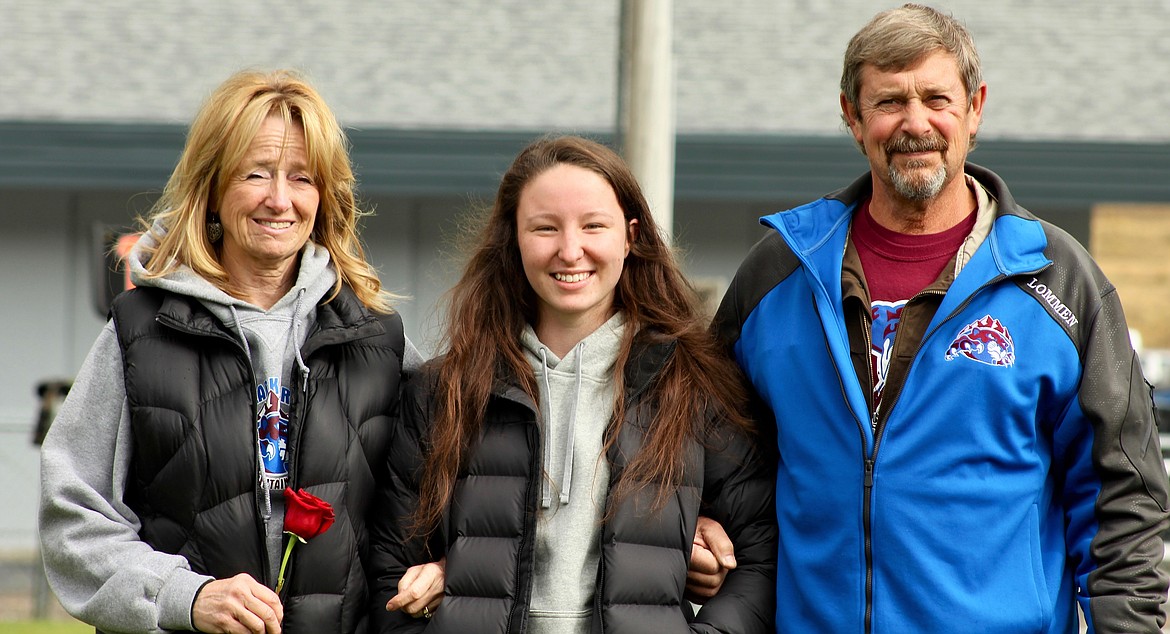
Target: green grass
[44, 627]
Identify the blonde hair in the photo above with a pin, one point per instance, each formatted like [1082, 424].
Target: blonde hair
[217, 142]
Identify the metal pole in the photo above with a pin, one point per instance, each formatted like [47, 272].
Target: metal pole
[646, 102]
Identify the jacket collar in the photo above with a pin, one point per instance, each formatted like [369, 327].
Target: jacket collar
[817, 231]
[1017, 239]
[649, 354]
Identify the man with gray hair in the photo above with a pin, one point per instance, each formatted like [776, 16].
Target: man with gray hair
[965, 438]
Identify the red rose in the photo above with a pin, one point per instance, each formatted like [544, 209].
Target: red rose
[305, 517]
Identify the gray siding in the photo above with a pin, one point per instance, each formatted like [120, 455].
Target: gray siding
[1056, 69]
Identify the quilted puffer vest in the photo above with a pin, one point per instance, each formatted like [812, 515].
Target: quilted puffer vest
[193, 479]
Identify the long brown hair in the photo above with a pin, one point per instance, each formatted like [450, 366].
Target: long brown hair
[217, 141]
[492, 302]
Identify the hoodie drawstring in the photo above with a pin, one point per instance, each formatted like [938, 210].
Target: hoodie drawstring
[296, 336]
[546, 413]
[265, 486]
[567, 481]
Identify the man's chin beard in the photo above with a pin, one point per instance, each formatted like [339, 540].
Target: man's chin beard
[917, 188]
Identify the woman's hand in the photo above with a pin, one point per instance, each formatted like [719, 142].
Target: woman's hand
[240, 605]
[420, 591]
[712, 556]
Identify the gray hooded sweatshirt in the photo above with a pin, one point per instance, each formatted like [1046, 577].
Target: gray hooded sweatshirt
[576, 405]
[96, 564]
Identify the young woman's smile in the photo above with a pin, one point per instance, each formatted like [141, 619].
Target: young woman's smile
[573, 239]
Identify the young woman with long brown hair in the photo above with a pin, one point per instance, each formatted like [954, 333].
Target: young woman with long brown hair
[560, 452]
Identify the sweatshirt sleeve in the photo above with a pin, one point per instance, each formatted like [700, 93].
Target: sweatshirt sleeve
[1115, 486]
[97, 565]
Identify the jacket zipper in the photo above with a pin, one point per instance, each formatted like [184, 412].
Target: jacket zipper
[878, 426]
[867, 462]
[878, 423]
[261, 531]
[867, 482]
[600, 583]
[298, 415]
[515, 619]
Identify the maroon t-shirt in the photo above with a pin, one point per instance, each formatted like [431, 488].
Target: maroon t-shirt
[897, 265]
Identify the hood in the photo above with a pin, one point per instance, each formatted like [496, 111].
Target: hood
[315, 279]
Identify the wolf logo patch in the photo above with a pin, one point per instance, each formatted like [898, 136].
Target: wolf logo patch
[986, 341]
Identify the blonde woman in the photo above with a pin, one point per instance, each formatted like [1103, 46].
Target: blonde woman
[257, 353]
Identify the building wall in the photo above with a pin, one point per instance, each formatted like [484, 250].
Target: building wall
[1131, 243]
[1091, 70]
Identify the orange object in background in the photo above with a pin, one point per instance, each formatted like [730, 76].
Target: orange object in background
[122, 249]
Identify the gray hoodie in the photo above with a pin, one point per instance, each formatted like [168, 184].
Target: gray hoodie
[576, 405]
[98, 567]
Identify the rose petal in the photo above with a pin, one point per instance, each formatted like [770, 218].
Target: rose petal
[306, 515]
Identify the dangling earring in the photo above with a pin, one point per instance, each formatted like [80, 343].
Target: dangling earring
[214, 229]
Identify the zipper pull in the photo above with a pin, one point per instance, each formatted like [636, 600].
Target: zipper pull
[868, 473]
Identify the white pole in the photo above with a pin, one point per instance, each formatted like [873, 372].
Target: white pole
[646, 106]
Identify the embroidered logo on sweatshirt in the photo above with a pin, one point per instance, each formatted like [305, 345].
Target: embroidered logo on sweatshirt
[985, 340]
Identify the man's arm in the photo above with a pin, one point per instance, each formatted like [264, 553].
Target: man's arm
[1115, 487]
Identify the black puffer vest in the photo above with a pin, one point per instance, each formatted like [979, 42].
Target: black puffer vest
[193, 478]
[490, 529]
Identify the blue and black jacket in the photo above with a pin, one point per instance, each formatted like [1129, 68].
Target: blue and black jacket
[1016, 473]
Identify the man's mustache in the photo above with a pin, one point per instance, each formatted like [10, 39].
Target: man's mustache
[909, 144]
